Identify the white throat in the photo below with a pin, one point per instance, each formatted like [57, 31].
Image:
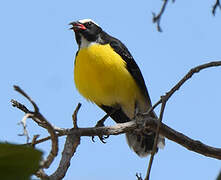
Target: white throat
[85, 43]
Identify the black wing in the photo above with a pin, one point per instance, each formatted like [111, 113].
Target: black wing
[132, 67]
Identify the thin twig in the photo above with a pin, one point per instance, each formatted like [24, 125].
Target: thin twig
[215, 6]
[23, 122]
[156, 137]
[40, 119]
[189, 75]
[19, 106]
[45, 139]
[149, 124]
[18, 89]
[157, 18]
[183, 80]
[34, 140]
[139, 177]
[74, 116]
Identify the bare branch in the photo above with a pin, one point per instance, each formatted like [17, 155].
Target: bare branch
[39, 118]
[71, 144]
[190, 74]
[156, 137]
[18, 89]
[42, 140]
[74, 116]
[24, 125]
[139, 177]
[215, 6]
[19, 106]
[70, 147]
[142, 123]
[149, 124]
[183, 80]
[157, 18]
[164, 100]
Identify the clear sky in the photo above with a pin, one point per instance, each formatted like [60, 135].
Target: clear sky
[37, 52]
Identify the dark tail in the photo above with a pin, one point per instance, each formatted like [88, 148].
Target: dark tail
[140, 143]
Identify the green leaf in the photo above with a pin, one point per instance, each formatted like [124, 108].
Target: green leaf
[18, 162]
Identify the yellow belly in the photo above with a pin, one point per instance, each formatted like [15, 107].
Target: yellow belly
[101, 76]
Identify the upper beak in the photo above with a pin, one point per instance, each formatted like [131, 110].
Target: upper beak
[76, 26]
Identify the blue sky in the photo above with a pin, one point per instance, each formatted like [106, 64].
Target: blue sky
[37, 53]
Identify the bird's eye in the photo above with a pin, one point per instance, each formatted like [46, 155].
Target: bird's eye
[89, 23]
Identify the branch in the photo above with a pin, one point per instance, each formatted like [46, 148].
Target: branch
[151, 124]
[71, 144]
[190, 74]
[183, 80]
[40, 120]
[156, 138]
[146, 123]
[164, 100]
[157, 18]
[70, 147]
[215, 6]
[74, 116]
[142, 123]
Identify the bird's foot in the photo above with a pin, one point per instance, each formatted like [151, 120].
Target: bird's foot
[100, 123]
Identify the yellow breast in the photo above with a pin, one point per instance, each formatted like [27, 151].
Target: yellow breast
[101, 76]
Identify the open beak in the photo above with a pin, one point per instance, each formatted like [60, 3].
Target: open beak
[76, 26]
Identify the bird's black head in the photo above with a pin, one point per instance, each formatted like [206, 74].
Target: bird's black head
[85, 29]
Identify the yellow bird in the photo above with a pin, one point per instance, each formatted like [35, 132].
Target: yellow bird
[106, 74]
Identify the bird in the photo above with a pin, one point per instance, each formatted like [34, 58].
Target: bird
[106, 74]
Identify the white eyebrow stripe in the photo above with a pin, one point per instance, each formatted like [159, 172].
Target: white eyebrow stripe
[87, 20]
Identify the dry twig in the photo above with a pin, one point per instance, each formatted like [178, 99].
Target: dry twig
[72, 141]
[39, 118]
[74, 116]
[157, 18]
[148, 124]
[215, 6]
[139, 177]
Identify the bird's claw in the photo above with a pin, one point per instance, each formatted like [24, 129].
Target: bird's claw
[102, 138]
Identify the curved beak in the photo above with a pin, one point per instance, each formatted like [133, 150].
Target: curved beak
[77, 26]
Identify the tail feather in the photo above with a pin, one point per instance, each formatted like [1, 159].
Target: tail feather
[142, 144]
